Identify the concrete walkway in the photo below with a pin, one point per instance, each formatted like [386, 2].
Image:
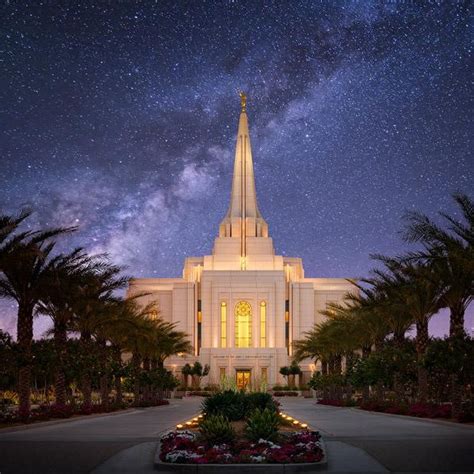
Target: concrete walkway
[79, 446]
[357, 441]
[360, 441]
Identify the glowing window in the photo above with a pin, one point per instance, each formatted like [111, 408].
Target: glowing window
[222, 372]
[264, 374]
[263, 324]
[243, 324]
[223, 324]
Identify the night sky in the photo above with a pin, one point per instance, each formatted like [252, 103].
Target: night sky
[121, 117]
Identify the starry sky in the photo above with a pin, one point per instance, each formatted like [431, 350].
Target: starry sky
[121, 118]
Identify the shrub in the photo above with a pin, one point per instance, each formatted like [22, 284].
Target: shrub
[216, 429]
[285, 394]
[260, 400]
[262, 424]
[230, 404]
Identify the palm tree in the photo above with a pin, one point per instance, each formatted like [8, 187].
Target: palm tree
[25, 266]
[65, 277]
[451, 253]
[419, 292]
[94, 311]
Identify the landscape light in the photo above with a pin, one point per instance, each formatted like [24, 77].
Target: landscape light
[179, 426]
[304, 425]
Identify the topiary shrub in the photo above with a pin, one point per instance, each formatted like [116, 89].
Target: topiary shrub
[230, 404]
[262, 424]
[216, 429]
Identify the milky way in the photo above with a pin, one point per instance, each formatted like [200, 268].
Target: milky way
[120, 117]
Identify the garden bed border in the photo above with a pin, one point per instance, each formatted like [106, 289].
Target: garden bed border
[241, 468]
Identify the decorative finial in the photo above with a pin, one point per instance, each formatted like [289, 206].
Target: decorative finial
[243, 101]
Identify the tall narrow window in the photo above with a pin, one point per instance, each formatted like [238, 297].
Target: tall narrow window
[222, 373]
[199, 327]
[243, 324]
[287, 325]
[223, 324]
[263, 324]
[265, 374]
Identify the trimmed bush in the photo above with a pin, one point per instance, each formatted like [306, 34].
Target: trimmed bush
[262, 424]
[230, 404]
[216, 429]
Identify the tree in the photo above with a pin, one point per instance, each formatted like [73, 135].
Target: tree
[25, 264]
[451, 254]
[186, 370]
[64, 278]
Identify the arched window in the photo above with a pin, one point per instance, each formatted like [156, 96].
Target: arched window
[243, 324]
[263, 324]
[223, 324]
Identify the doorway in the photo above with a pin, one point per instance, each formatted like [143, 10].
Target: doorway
[242, 378]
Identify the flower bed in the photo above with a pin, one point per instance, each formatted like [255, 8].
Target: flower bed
[421, 410]
[185, 447]
[237, 428]
[55, 411]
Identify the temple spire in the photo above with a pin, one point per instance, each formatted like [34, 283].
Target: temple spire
[243, 219]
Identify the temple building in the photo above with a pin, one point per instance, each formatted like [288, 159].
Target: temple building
[243, 305]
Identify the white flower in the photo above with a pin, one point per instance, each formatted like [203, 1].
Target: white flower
[257, 458]
[173, 456]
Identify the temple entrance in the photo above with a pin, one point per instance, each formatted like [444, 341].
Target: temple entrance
[242, 378]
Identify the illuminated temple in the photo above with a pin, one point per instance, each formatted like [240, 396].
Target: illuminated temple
[244, 305]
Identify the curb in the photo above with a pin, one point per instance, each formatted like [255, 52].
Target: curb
[240, 468]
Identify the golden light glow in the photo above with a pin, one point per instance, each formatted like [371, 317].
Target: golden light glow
[304, 425]
[243, 324]
[180, 426]
[199, 316]
[189, 423]
[263, 324]
[296, 422]
[223, 324]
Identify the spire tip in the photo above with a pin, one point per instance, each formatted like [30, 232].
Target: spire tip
[243, 101]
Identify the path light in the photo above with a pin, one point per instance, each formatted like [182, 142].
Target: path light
[304, 425]
[200, 416]
[196, 419]
[189, 423]
[296, 422]
[179, 426]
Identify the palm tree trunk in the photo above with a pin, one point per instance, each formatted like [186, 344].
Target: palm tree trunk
[136, 378]
[60, 342]
[366, 350]
[422, 338]
[456, 333]
[104, 377]
[324, 372]
[86, 380]
[398, 387]
[117, 379]
[25, 338]
[456, 322]
[147, 390]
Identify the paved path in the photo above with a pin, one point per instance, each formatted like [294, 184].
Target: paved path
[357, 441]
[80, 446]
[394, 443]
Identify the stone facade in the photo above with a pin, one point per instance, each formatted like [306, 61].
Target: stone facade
[243, 305]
